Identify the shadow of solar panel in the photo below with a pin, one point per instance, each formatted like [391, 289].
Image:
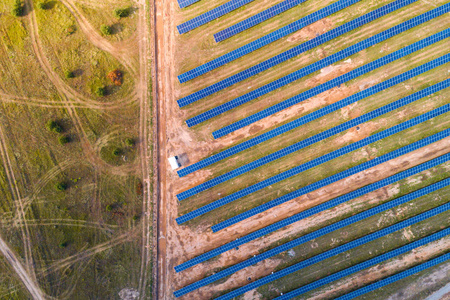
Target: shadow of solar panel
[271, 62]
[265, 40]
[366, 264]
[314, 139]
[356, 243]
[211, 15]
[382, 283]
[333, 83]
[314, 115]
[314, 210]
[256, 19]
[318, 65]
[186, 3]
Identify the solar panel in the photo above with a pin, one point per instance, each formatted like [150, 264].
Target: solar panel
[348, 246]
[396, 277]
[318, 65]
[331, 179]
[293, 52]
[333, 83]
[256, 19]
[186, 3]
[366, 264]
[312, 140]
[265, 40]
[314, 210]
[211, 15]
[315, 259]
[314, 115]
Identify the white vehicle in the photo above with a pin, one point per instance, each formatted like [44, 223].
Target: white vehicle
[173, 160]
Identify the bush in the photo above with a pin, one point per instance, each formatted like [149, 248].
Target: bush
[43, 5]
[54, 126]
[106, 30]
[64, 139]
[116, 77]
[129, 142]
[62, 245]
[100, 91]
[135, 218]
[109, 207]
[69, 74]
[71, 29]
[61, 186]
[121, 12]
[18, 8]
[116, 152]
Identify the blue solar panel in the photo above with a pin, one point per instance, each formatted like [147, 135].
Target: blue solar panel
[351, 245]
[256, 19]
[314, 210]
[312, 140]
[186, 3]
[211, 15]
[354, 24]
[314, 115]
[333, 83]
[331, 179]
[265, 40]
[366, 264]
[318, 65]
[396, 277]
[318, 233]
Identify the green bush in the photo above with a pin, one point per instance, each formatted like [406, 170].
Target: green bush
[64, 139]
[43, 5]
[135, 218]
[54, 126]
[129, 142]
[18, 8]
[106, 30]
[71, 29]
[100, 91]
[61, 186]
[69, 74]
[121, 12]
[62, 245]
[109, 207]
[116, 152]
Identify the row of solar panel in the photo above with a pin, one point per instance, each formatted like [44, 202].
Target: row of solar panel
[318, 65]
[265, 40]
[366, 264]
[271, 62]
[355, 243]
[314, 210]
[211, 15]
[313, 139]
[314, 115]
[186, 3]
[303, 167]
[256, 19]
[337, 177]
[333, 83]
[319, 233]
[394, 278]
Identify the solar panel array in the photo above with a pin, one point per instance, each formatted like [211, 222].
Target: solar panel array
[366, 264]
[265, 40]
[351, 245]
[318, 233]
[314, 210]
[333, 83]
[373, 15]
[303, 167]
[344, 174]
[396, 277]
[256, 19]
[211, 15]
[318, 65]
[186, 3]
[312, 140]
[314, 115]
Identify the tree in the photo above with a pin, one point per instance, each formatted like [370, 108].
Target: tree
[61, 186]
[116, 152]
[100, 91]
[64, 139]
[116, 77]
[106, 30]
[18, 8]
[54, 126]
[121, 12]
[129, 142]
[69, 74]
[43, 5]
[109, 207]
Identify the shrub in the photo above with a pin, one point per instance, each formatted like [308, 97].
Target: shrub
[106, 30]
[61, 186]
[18, 8]
[69, 74]
[62, 245]
[54, 126]
[100, 91]
[135, 218]
[116, 77]
[116, 152]
[129, 142]
[71, 29]
[121, 12]
[43, 5]
[64, 139]
[109, 207]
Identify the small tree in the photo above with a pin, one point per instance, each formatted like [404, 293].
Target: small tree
[54, 126]
[116, 152]
[129, 142]
[61, 186]
[109, 207]
[71, 29]
[106, 30]
[69, 74]
[43, 5]
[18, 8]
[135, 218]
[121, 12]
[100, 91]
[64, 139]
[116, 77]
